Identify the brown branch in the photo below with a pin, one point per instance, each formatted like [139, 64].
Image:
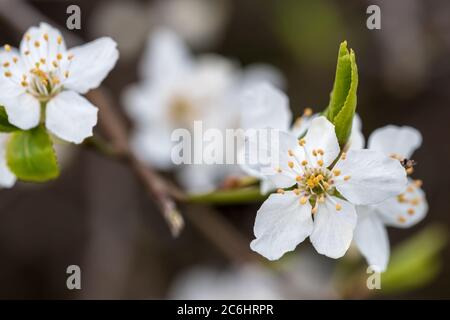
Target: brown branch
[114, 128]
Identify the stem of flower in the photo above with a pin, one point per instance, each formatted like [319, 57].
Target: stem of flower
[235, 196]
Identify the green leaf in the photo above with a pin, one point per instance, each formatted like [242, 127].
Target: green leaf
[5, 126]
[31, 157]
[223, 197]
[415, 262]
[343, 100]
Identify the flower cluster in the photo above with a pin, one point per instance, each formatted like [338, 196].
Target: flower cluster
[42, 82]
[330, 188]
[334, 195]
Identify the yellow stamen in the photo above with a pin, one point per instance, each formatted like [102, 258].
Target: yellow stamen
[338, 206]
[411, 211]
[290, 164]
[320, 162]
[303, 200]
[336, 172]
[7, 47]
[302, 142]
[307, 112]
[346, 178]
[401, 198]
[8, 74]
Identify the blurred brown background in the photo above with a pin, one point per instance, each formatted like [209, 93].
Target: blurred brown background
[97, 215]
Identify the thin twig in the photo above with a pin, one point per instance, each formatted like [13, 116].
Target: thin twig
[115, 128]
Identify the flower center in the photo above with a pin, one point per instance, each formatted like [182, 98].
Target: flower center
[42, 68]
[181, 112]
[42, 85]
[314, 181]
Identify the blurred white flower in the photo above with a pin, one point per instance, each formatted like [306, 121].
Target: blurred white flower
[44, 77]
[304, 276]
[323, 179]
[262, 106]
[178, 89]
[7, 178]
[404, 210]
[248, 282]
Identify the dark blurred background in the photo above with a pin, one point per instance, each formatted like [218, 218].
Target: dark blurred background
[97, 215]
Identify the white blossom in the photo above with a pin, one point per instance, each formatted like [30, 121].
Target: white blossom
[265, 106]
[327, 186]
[42, 82]
[403, 210]
[178, 89]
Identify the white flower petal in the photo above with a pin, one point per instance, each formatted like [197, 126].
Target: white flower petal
[321, 135]
[23, 110]
[391, 139]
[333, 229]
[153, 145]
[266, 186]
[264, 106]
[7, 178]
[50, 43]
[302, 124]
[198, 178]
[166, 57]
[371, 238]
[269, 157]
[405, 210]
[356, 140]
[144, 104]
[70, 116]
[91, 63]
[281, 224]
[15, 65]
[369, 177]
